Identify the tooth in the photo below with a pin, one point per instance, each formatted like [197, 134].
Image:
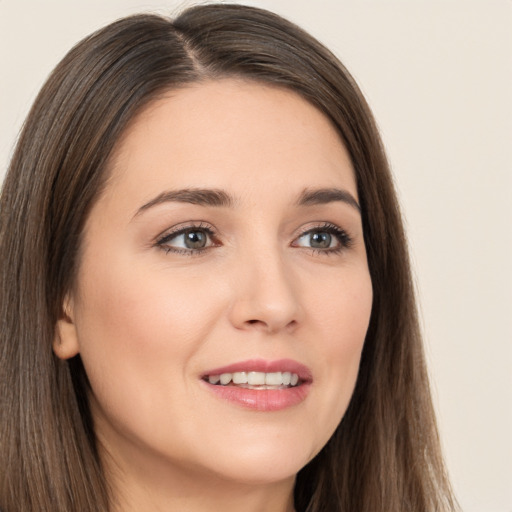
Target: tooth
[256, 378]
[239, 378]
[225, 378]
[274, 379]
[263, 380]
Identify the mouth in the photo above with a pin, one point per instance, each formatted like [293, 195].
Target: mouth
[260, 385]
[255, 380]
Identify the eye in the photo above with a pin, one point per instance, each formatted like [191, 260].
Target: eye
[326, 238]
[187, 240]
[318, 240]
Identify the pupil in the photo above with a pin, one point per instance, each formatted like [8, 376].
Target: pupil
[321, 240]
[195, 240]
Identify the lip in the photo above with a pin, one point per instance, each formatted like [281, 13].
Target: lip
[265, 400]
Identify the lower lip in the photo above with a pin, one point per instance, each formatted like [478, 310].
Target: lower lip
[261, 399]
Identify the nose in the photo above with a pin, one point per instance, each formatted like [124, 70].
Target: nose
[265, 295]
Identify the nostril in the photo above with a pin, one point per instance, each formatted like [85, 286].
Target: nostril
[258, 324]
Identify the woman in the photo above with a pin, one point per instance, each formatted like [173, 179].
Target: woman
[206, 295]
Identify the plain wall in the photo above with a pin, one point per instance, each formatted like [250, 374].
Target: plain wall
[438, 76]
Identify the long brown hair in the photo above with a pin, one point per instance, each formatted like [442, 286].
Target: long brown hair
[384, 455]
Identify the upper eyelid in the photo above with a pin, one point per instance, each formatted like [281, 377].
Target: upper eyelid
[318, 226]
[184, 227]
[328, 226]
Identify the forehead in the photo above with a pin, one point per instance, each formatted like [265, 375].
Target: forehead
[230, 134]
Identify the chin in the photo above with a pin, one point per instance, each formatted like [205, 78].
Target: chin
[259, 462]
[261, 472]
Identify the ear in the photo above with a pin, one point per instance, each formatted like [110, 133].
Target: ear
[65, 343]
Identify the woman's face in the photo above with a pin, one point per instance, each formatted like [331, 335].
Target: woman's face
[227, 245]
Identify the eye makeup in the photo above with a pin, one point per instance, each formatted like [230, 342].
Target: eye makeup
[195, 238]
[326, 238]
[189, 239]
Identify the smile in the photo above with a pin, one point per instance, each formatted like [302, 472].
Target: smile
[260, 385]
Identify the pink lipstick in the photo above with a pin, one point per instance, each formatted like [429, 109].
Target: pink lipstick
[260, 384]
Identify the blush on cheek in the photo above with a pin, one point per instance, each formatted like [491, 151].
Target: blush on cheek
[345, 324]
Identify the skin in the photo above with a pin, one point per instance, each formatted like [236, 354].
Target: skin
[149, 320]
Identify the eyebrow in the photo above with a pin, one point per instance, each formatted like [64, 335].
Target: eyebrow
[311, 197]
[220, 198]
[199, 196]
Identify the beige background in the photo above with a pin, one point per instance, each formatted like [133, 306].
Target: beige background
[439, 78]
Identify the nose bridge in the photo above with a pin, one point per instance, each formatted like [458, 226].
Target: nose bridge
[265, 294]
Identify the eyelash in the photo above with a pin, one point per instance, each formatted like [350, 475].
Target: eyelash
[168, 236]
[344, 239]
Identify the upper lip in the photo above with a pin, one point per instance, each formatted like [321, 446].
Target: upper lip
[262, 365]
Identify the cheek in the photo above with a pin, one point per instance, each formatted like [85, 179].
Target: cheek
[341, 318]
[134, 306]
[137, 330]
[139, 333]
[347, 322]
[341, 310]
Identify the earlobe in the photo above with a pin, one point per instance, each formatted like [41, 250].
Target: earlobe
[65, 342]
